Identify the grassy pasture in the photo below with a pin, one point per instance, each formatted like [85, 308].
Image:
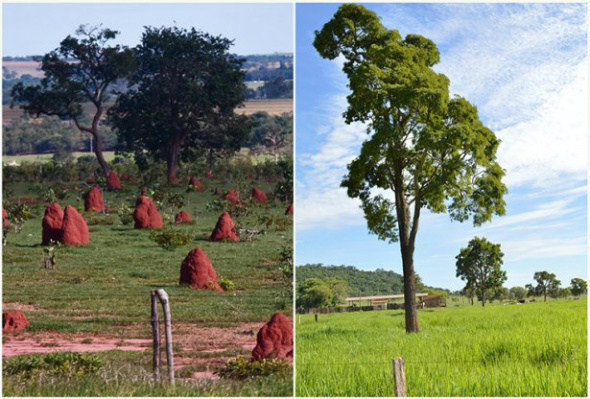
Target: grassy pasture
[536, 349]
[104, 288]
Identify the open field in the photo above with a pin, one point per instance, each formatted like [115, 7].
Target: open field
[99, 295]
[273, 107]
[536, 349]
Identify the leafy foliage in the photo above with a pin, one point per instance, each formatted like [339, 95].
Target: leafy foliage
[547, 283]
[479, 264]
[226, 283]
[170, 239]
[578, 286]
[62, 364]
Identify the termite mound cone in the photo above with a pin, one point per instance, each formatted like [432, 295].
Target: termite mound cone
[275, 339]
[183, 217]
[289, 210]
[225, 229]
[196, 183]
[259, 196]
[74, 230]
[146, 214]
[113, 182]
[52, 223]
[14, 321]
[93, 201]
[232, 196]
[197, 271]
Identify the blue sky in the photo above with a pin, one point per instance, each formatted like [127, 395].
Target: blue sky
[30, 29]
[525, 67]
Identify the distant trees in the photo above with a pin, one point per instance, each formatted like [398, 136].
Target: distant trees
[518, 293]
[271, 134]
[426, 148]
[79, 71]
[546, 283]
[182, 96]
[318, 293]
[578, 286]
[479, 264]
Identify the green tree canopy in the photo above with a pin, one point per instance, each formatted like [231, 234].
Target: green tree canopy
[518, 293]
[314, 293]
[79, 71]
[182, 97]
[546, 282]
[480, 265]
[425, 149]
[578, 286]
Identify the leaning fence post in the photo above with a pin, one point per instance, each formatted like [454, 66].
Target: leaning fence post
[168, 323]
[399, 377]
[316, 317]
[156, 336]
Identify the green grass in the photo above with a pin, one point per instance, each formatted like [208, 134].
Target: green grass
[536, 349]
[109, 281]
[108, 155]
[130, 374]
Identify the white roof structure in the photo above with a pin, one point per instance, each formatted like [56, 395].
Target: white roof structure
[382, 297]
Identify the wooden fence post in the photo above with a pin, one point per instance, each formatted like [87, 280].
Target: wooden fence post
[168, 323]
[316, 317]
[399, 377]
[156, 336]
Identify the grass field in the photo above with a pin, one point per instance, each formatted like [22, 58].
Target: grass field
[535, 349]
[104, 288]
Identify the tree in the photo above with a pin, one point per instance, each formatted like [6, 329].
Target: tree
[340, 290]
[578, 286]
[425, 150]
[315, 293]
[546, 282]
[79, 71]
[518, 293]
[182, 97]
[480, 265]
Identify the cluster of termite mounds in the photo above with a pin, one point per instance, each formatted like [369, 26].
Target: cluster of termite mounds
[67, 227]
[14, 321]
[275, 339]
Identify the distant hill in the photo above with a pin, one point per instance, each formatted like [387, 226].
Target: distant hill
[362, 282]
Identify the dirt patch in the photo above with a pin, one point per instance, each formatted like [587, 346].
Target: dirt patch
[21, 306]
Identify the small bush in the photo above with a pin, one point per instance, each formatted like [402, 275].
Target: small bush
[105, 220]
[62, 364]
[170, 239]
[125, 213]
[226, 283]
[242, 369]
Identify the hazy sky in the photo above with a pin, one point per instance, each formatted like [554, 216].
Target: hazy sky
[525, 67]
[31, 29]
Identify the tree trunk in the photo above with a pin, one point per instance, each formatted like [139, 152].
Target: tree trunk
[410, 290]
[172, 160]
[98, 148]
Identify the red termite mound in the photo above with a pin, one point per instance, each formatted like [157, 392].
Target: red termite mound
[259, 195]
[113, 182]
[289, 210]
[275, 339]
[13, 320]
[209, 174]
[196, 184]
[197, 271]
[225, 229]
[146, 214]
[183, 217]
[52, 222]
[93, 200]
[232, 196]
[74, 230]
[217, 191]
[5, 221]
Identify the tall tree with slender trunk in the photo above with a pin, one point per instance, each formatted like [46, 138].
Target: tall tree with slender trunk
[424, 150]
[183, 95]
[80, 71]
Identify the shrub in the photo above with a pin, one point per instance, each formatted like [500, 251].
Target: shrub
[170, 239]
[105, 220]
[125, 213]
[18, 215]
[62, 364]
[226, 283]
[242, 369]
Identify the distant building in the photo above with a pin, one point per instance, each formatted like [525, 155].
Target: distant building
[432, 301]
